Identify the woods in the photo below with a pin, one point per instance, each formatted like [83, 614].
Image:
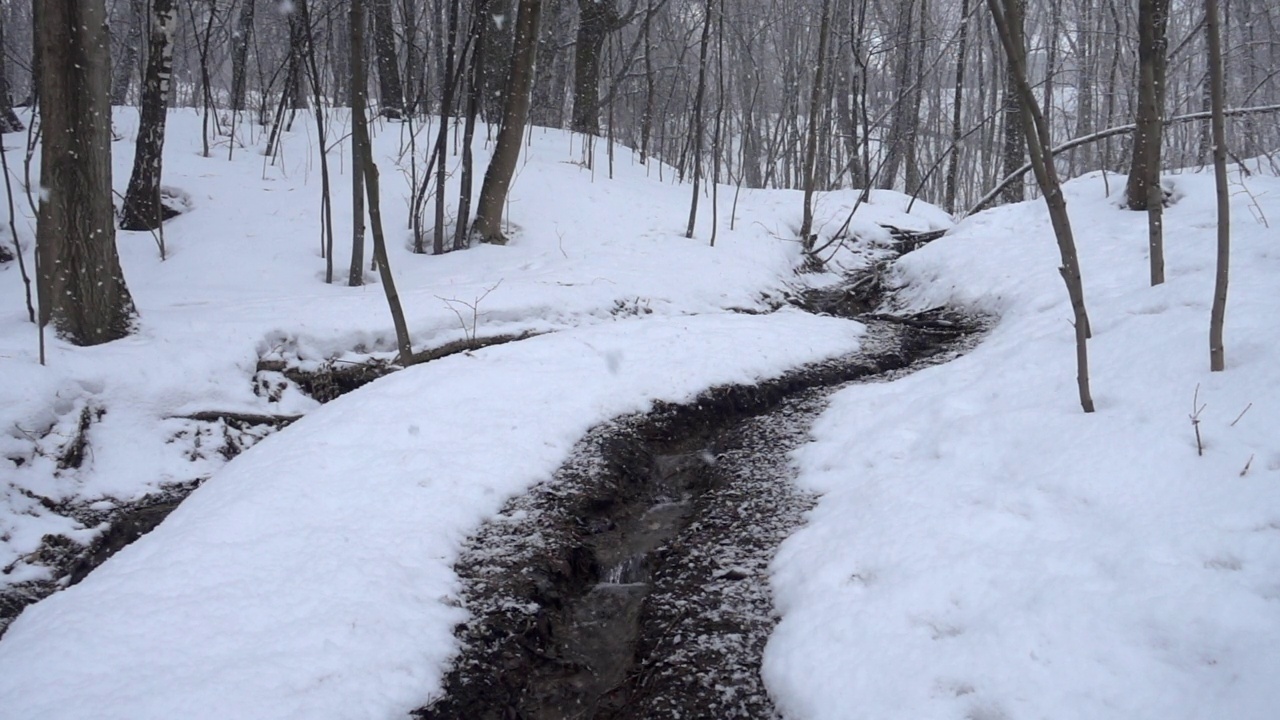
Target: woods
[814, 95]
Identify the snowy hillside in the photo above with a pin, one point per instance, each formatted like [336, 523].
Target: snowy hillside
[981, 548]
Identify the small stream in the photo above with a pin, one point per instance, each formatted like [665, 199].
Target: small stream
[634, 584]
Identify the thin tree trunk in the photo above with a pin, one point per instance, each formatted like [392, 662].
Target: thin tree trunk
[359, 90]
[122, 78]
[1217, 351]
[479, 22]
[811, 142]
[515, 112]
[79, 281]
[953, 166]
[696, 123]
[1039, 143]
[446, 115]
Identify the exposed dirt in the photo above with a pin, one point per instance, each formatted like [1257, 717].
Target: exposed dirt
[633, 584]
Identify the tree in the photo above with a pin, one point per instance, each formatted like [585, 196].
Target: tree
[79, 281]
[124, 68]
[9, 121]
[1040, 146]
[384, 48]
[596, 20]
[816, 102]
[1143, 191]
[515, 111]
[1015, 134]
[240, 54]
[142, 207]
[1217, 353]
[359, 90]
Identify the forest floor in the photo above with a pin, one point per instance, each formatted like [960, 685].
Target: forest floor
[958, 542]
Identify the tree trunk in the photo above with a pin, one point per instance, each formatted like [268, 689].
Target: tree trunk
[1217, 351]
[9, 121]
[359, 89]
[240, 54]
[1039, 145]
[142, 208]
[596, 19]
[1015, 136]
[515, 110]
[897, 135]
[1144, 168]
[816, 97]
[81, 286]
[695, 127]
[384, 48]
[953, 166]
[122, 79]
[479, 22]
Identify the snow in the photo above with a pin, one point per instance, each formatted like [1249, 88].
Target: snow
[311, 576]
[983, 549]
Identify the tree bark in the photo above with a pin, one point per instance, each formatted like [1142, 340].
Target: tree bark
[240, 54]
[81, 286]
[596, 19]
[816, 97]
[122, 77]
[953, 163]
[695, 126]
[9, 121]
[1015, 135]
[1218, 314]
[384, 48]
[1039, 144]
[1144, 167]
[142, 207]
[359, 90]
[515, 111]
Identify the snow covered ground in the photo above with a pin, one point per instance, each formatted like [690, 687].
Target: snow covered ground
[985, 550]
[982, 548]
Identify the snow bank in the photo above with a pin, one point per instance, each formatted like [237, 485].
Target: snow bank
[312, 577]
[985, 550]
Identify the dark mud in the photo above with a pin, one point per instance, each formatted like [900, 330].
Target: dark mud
[634, 583]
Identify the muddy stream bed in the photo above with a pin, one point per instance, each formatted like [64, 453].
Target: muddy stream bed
[634, 584]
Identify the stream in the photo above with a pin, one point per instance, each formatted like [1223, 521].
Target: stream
[634, 584]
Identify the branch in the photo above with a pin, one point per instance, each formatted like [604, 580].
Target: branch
[1112, 132]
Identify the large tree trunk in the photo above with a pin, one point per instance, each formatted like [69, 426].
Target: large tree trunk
[1015, 138]
[596, 19]
[240, 54]
[502, 166]
[384, 47]
[81, 286]
[142, 208]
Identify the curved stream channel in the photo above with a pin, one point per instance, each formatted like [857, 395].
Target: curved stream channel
[634, 583]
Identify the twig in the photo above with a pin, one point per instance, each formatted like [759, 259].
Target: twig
[1196, 408]
[1242, 412]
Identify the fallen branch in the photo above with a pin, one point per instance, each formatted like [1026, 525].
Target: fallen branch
[246, 418]
[1111, 132]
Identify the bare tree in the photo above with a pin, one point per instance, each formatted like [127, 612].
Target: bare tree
[1039, 144]
[240, 54]
[816, 102]
[79, 281]
[515, 111]
[1015, 133]
[359, 91]
[143, 209]
[1217, 351]
[1143, 191]
[384, 48]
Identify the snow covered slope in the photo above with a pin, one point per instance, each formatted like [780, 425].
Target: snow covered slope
[985, 550]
